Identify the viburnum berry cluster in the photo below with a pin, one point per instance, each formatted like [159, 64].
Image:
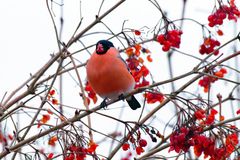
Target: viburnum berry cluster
[91, 93]
[139, 148]
[204, 118]
[170, 39]
[185, 137]
[45, 118]
[140, 77]
[208, 146]
[75, 152]
[208, 46]
[181, 139]
[153, 97]
[140, 143]
[136, 64]
[52, 141]
[206, 81]
[52, 98]
[231, 12]
[194, 133]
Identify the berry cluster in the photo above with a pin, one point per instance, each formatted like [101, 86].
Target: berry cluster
[135, 64]
[52, 141]
[199, 114]
[181, 139]
[79, 152]
[170, 39]
[52, 98]
[206, 81]
[138, 142]
[45, 118]
[208, 147]
[91, 93]
[76, 152]
[153, 97]
[223, 12]
[139, 148]
[231, 142]
[210, 118]
[138, 74]
[208, 46]
[221, 73]
[140, 77]
[204, 118]
[185, 137]
[134, 51]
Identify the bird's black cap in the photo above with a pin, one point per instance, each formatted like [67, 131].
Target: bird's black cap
[102, 46]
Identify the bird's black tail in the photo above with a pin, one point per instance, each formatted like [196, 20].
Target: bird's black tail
[133, 103]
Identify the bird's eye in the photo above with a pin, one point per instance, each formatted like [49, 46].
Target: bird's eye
[100, 48]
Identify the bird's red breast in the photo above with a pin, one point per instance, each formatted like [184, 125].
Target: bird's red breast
[108, 74]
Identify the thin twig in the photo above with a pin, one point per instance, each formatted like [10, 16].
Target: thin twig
[83, 95]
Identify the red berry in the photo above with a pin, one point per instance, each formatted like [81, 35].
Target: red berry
[137, 32]
[125, 146]
[238, 111]
[142, 142]
[52, 92]
[223, 70]
[50, 156]
[211, 24]
[210, 18]
[222, 15]
[160, 38]
[199, 114]
[170, 39]
[216, 52]
[166, 48]
[209, 46]
[139, 150]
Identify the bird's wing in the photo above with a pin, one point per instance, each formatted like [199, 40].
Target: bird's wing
[124, 63]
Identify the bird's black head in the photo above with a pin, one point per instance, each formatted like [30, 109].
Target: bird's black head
[103, 46]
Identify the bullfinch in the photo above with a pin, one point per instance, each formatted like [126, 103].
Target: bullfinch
[109, 75]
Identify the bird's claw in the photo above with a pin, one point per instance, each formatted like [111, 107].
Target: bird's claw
[121, 97]
[104, 104]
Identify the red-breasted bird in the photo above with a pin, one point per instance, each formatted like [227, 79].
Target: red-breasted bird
[109, 75]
